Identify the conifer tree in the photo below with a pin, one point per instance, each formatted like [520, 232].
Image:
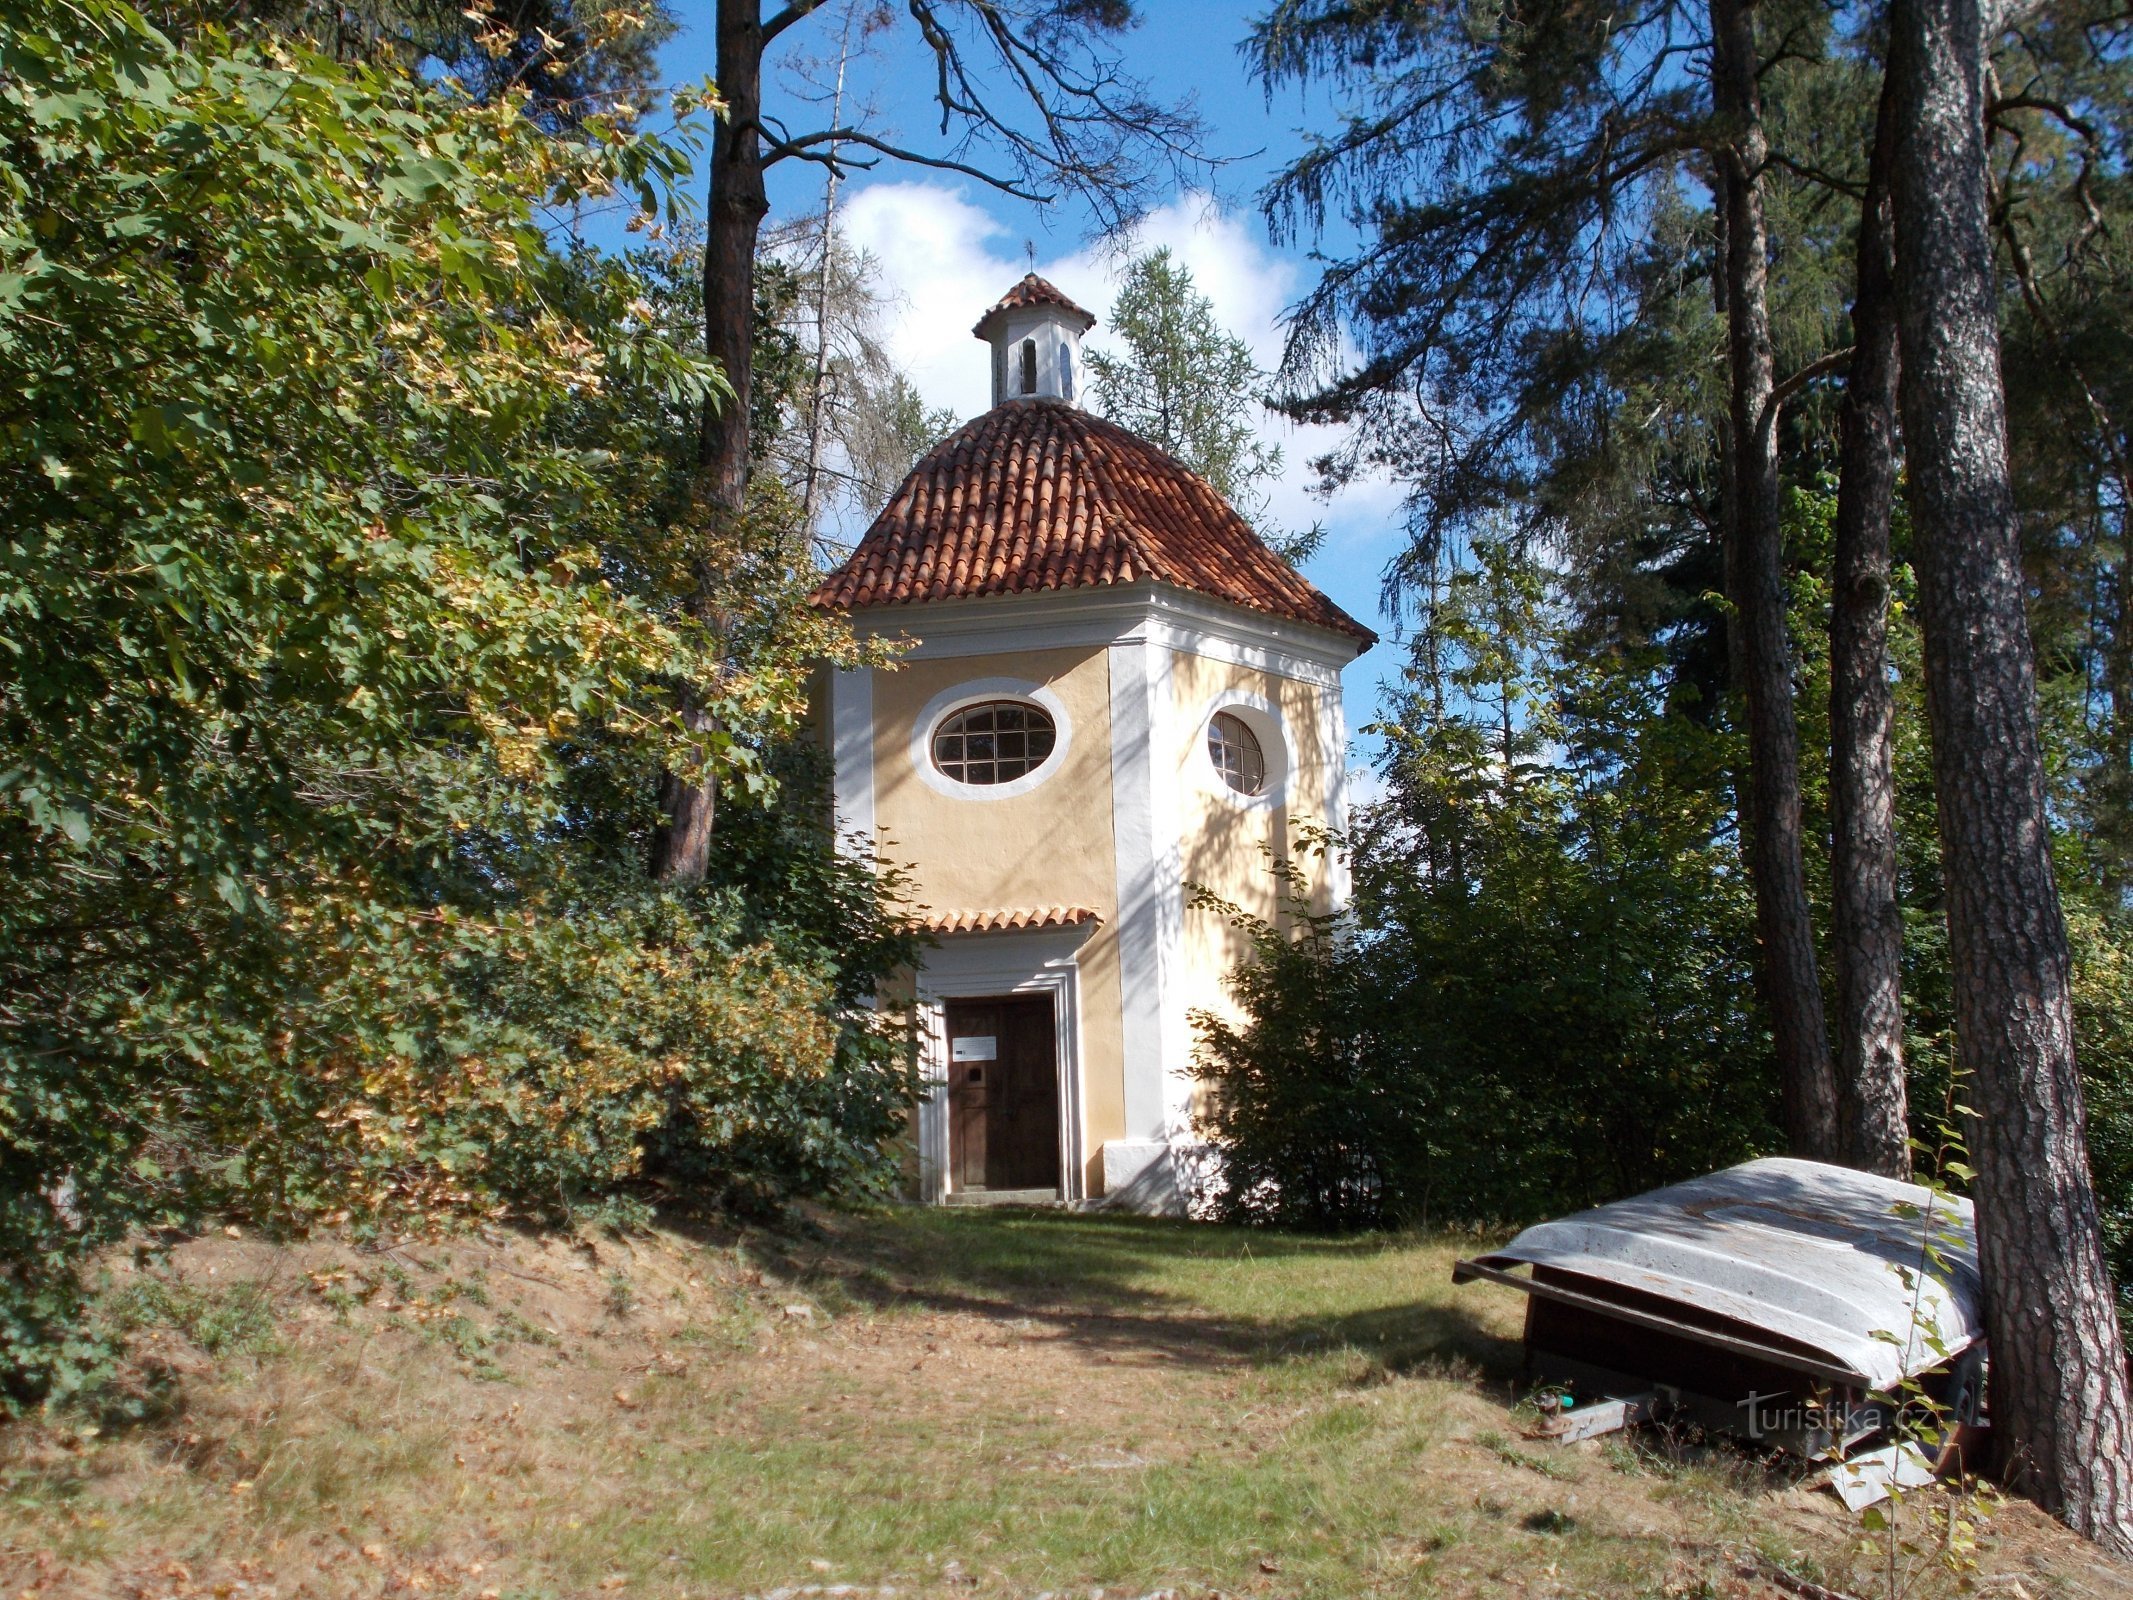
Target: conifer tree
[1866, 921]
[1186, 383]
[1502, 166]
[2060, 1392]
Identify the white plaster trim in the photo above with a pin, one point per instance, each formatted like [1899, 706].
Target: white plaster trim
[978, 966]
[1150, 895]
[932, 1103]
[1237, 648]
[1263, 717]
[976, 692]
[1333, 719]
[1069, 618]
[1169, 816]
[852, 759]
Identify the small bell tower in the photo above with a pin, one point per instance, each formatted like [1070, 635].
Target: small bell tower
[1035, 333]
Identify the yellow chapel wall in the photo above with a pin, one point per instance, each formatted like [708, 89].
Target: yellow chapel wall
[1223, 844]
[1050, 846]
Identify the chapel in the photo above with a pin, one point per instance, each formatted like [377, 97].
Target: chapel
[1111, 693]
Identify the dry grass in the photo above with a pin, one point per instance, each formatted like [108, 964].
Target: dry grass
[957, 1403]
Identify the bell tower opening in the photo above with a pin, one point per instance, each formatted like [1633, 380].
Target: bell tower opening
[1035, 333]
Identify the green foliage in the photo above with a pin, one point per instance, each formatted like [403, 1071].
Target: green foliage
[2103, 1027]
[1310, 1112]
[1522, 328]
[233, 1317]
[1544, 996]
[1545, 999]
[567, 61]
[2100, 935]
[338, 626]
[1186, 383]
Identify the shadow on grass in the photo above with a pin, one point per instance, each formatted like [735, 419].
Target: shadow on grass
[1125, 1287]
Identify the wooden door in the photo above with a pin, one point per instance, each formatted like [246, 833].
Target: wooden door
[1003, 1094]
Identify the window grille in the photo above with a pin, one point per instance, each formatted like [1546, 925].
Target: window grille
[996, 742]
[1234, 749]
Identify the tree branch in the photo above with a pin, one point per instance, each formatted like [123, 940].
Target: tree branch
[1816, 175]
[786, 18]
[801, 145]
[2058, 112]
[1820, 367]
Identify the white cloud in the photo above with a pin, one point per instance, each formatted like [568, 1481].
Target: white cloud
[945, 260]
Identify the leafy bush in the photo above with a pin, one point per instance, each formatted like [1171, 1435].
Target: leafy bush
[338, 624]
[2103, 1029]
[1544, 996]
[1314, 1116]
[1495, 1058]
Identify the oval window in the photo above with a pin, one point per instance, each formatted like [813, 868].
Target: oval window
[1234, 749]
[996, 742]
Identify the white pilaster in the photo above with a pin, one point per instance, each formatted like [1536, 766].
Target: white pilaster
[1333, 718]
[1144, 836]
[852, 758]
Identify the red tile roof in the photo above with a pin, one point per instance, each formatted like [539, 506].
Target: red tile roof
[1006, 921]
[1038, 495]
[1032, 291]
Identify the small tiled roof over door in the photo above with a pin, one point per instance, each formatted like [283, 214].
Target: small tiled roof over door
[1038, 495]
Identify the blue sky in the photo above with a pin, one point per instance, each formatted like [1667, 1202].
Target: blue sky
[948, 246]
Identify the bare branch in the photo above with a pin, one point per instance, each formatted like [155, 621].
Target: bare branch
[1816, 175]
[802, 146]
[1066, 117]
[786, 18]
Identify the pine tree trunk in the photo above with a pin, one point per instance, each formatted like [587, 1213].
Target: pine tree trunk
[681, 851]
[1791, 984]
[2060, 1403]
[1866, 926]
[732, 225]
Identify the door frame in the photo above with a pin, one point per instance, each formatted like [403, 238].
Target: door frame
[982, 966]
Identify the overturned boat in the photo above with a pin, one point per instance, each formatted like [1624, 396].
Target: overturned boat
[1790, 1302]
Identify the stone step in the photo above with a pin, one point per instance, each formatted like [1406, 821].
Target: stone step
[1003, 1197]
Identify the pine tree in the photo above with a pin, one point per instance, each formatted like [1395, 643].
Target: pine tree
[1866, 921]
[2059, 1386]
[1503, 165]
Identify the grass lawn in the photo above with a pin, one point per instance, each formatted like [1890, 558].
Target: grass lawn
[934, 1402]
